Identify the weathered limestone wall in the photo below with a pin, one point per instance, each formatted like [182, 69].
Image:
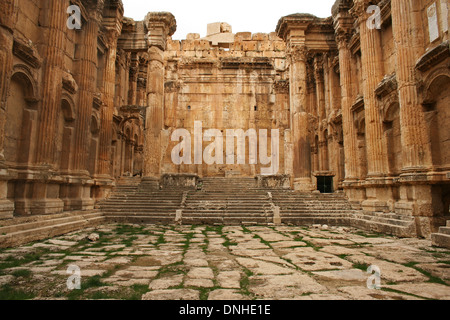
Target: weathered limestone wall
[236, 87]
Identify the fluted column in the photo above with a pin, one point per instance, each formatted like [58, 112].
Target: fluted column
[160, 26]
[107, 111]
[321, 112]
[299, 119]
[86, 83]
[407, 40]
[349, 132]
[372, 72]
[134, 71]
[52, 81]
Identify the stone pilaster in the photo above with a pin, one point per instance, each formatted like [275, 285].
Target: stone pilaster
[160, 25]
[372, 72]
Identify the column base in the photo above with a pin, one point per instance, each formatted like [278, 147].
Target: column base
[38, 207]
[6, 209]
[303, 184]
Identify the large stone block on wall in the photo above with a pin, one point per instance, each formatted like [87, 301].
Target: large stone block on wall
[282, 181]
[179, 181]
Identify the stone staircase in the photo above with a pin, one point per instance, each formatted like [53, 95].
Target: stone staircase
[22, 230]
[228, 201]
[308, 209]
[134, 201]
[240, 201]
[442, 238]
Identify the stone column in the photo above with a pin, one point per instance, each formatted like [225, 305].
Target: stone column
[8, 17]
[52, 81]
[372, 73]
[86, 75]
[407, 40]
[134, 71]
[109, 77]
[321, 112]
[299, 120]
[41, 196]
[349, 132]
[416, 156]
[160, 25]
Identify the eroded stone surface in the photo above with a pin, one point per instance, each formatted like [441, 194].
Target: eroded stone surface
[254, 268]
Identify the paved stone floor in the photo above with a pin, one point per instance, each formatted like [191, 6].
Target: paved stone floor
[225, 263]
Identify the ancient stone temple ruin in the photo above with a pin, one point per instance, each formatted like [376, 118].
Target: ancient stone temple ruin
[340, 120]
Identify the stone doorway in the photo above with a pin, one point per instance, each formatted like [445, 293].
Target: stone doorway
[325, 184]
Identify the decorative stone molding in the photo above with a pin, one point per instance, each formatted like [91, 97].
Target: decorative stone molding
[28, 53]
[386, 86]
[433, 57]
[69, 83]
[160, 25]
[281, 86]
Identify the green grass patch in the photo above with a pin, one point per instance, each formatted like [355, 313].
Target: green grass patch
[9, 293]
[24, 273]
[361, 266]
[128, 242]
[138, 291]
[92, 282]
[12, 262]
[245, 282]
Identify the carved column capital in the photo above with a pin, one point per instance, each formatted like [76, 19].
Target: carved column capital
[359, 10]
[298, 53]
[160, 25]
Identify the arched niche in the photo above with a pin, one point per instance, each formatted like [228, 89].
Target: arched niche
[21, 117]
[436, 100]
[392, 132]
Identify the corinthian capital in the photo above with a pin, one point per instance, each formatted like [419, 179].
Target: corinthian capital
[160, 25]
[298, 53]
[359, 10]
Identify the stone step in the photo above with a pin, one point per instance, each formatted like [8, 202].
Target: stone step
[56, 228]
[440, 240]
[22, 223]
[444, 230]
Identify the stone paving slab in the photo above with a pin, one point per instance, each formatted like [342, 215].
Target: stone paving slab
[157, 262]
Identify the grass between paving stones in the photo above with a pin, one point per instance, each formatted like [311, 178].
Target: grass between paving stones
[12, 262]
[404, 293]
[9, 293]
[245, 283]
[431, 278]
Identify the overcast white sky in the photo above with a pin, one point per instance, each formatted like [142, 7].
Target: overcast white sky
[244, 15]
